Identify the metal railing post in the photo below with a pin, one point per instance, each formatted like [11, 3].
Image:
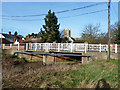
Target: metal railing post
[99, 47]
[31, 45]
[35, 46]
[58, 47]
[71, 47]
[62, 46]
[48, 46]
[85, 47]
[18, 46]
[40, 46]
[115, 48]
[26, 46]
[10, 45]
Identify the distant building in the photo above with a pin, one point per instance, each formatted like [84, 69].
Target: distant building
[9, 38]
[67, 34]
[78, 40]
[32, 39]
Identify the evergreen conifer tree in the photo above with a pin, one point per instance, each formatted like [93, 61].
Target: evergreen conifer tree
[51, 29]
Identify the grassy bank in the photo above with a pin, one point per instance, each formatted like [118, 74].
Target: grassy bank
[62, 75]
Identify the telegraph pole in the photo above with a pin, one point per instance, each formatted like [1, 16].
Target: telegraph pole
[108, 56]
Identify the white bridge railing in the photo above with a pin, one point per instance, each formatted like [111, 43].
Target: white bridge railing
[63, 47]
[58, 46]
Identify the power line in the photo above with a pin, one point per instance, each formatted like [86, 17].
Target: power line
[25, 15]
[60, 17]
[23, 19]
[114, 10]
[81, 7]
[59, 11]
[86, 13]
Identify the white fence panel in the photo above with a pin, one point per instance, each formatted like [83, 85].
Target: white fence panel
[78, 47]
[93, 47]
[104, 48]
[115, 48]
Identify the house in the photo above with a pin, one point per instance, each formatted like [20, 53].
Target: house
[79, 40]
[9, 38]
[31, 39]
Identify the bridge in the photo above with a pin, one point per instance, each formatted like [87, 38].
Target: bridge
[54, 55]
[69, 47]
[97, 51]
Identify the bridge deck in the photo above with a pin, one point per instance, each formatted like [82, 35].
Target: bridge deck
[54, 54]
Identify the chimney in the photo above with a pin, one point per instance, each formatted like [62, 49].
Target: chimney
[14, 40]
[69, 33]
[9, 33]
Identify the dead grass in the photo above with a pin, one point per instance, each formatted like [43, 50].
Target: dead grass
[63, 75]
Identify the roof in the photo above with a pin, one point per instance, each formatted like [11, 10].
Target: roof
[5, 41]
[1, 36]
[10, 37]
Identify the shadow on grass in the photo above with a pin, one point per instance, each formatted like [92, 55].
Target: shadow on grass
[102, 84]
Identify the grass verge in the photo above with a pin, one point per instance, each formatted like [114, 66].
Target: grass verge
[98, 74]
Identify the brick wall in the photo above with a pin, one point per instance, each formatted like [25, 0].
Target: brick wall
[14, 47]
[7, 47]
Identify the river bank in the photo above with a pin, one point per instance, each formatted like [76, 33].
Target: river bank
[60, 75]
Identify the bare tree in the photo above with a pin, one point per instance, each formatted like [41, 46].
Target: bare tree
[114, 30]
[91, 33]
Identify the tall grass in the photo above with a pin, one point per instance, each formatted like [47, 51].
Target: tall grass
[98, 74]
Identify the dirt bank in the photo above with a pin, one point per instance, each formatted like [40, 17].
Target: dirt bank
[60, 75]
[30, 72]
